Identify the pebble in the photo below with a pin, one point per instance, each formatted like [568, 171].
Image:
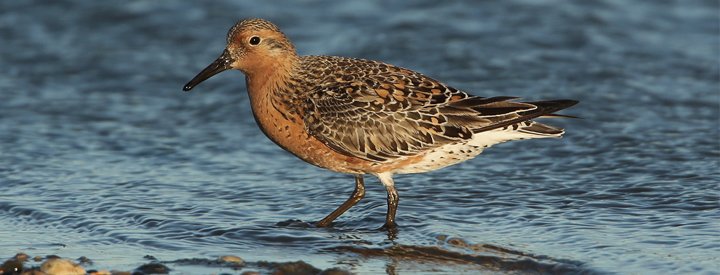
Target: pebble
[298, 267]
[335, 271]
[153, 268]
[231, 259]
[61, 267]
[21, 257]
[84, 260]
[11, 266]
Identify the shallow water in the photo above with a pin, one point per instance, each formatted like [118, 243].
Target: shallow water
[102, 155]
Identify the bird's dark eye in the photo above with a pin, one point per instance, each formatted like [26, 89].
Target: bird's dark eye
[254, 40]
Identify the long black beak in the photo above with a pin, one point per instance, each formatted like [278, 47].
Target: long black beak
[220, 64]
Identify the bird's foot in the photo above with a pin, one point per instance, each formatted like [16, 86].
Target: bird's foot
[388, 226]
[391, 229]
[322, 224]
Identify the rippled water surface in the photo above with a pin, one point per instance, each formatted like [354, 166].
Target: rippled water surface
[102, 155]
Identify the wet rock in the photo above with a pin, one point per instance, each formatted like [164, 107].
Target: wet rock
[442, 238]
[150, 257]
[84, 260]
[224, 261]
[33, 272]
[198, 262]
[98, 272]
[61, 266]
[12, 266]
[115, 272]
[335, 271]
[250, 273]
[290, 268]
[235, 260]
[458, 242]
[152, 268]
[22, 257]
[38, 258]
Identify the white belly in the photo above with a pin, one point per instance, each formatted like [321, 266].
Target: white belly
[455, 153]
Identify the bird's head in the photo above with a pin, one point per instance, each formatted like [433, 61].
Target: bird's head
[254, 46]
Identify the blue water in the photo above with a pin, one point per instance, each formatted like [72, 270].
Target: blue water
[102, 155]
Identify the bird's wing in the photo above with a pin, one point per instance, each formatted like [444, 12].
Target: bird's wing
[394, 112]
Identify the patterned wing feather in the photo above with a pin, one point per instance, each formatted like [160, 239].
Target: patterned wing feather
[379, 112]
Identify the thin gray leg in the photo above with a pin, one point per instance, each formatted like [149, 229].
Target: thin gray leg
[392, 199]
[356, 196]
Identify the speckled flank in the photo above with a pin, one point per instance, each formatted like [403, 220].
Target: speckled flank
[381, 114]
[367, 117]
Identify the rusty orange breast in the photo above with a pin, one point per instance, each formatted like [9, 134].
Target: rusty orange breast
[288, 131]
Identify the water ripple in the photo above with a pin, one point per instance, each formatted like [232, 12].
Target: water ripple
[101, 152]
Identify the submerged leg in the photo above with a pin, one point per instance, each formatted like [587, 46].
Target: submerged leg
[392, 199]
[356, 196]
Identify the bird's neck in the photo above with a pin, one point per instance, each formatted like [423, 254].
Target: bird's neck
[271, 79]
[273, 96]
[266, 75]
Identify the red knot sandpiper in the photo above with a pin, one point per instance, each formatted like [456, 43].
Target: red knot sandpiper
[362, 117]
